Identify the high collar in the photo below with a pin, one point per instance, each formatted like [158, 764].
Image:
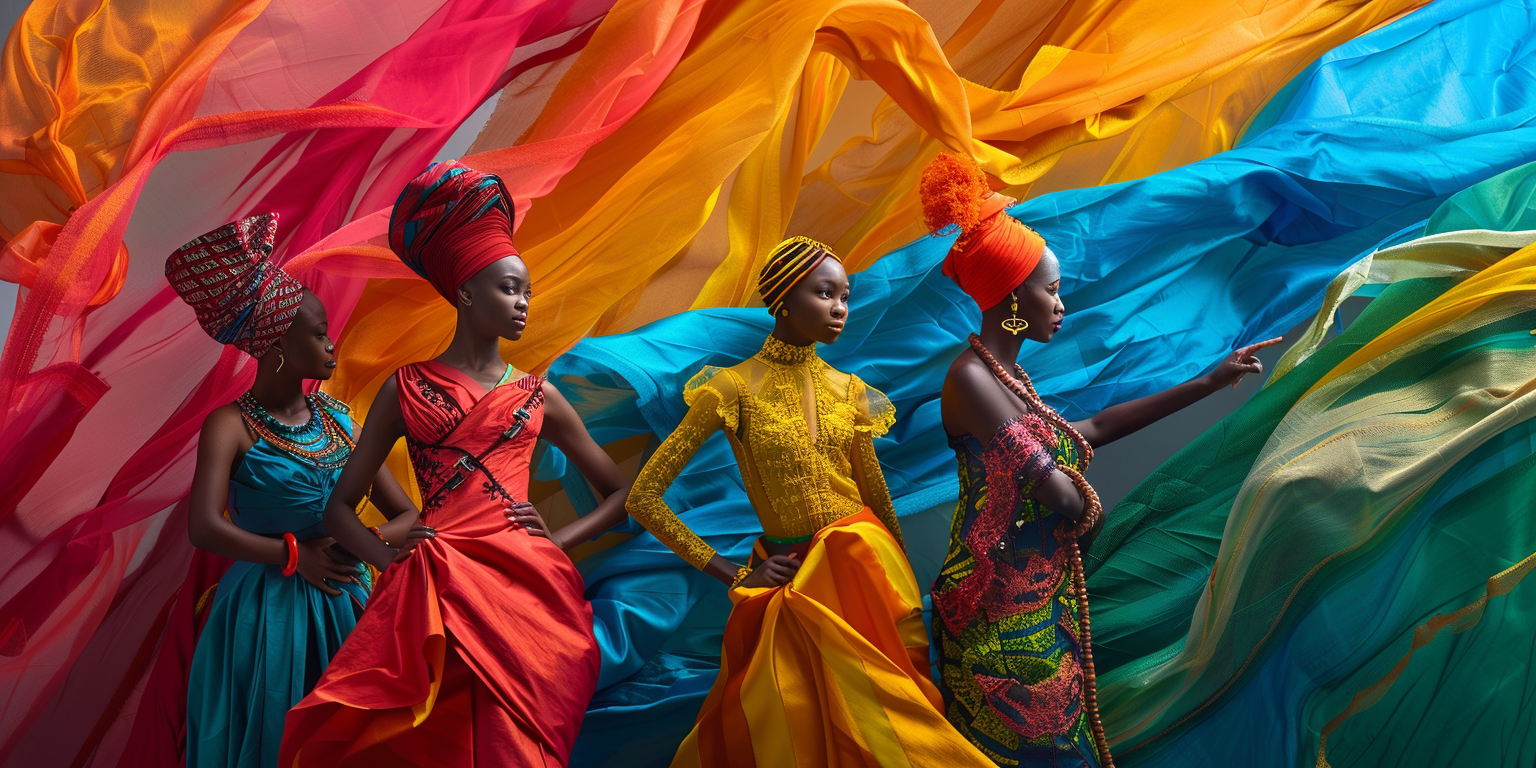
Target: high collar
[782, 353]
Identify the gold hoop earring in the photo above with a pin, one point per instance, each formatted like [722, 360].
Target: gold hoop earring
[280, 361]
[1014, 324]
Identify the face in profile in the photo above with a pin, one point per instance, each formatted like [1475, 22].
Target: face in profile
[307, 348]
[818, 303]
[1039, 302]
[496, 299]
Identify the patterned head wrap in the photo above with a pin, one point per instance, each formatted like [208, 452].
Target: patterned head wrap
[791, 260]
[240, 296]
[995, 252]
[450, 222]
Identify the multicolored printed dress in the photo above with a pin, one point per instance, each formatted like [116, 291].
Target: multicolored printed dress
[1006, 618]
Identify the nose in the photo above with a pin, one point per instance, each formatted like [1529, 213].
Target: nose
[839, 310]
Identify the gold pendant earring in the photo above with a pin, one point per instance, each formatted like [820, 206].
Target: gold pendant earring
[1014, 324]
[280, 362]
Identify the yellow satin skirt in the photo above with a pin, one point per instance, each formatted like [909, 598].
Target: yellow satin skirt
[829, 670]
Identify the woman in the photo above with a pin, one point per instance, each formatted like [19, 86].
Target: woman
[271, 458]
[1010, 604]
[478, 648]
[825, 658]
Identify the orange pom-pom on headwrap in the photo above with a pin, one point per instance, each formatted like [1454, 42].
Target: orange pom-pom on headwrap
[995, 252]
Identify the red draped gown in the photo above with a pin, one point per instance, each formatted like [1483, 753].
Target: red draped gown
[478, 649]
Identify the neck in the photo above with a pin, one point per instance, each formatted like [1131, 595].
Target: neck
[472, 351]
[277, 392]
[1003, 345]
[786, 333]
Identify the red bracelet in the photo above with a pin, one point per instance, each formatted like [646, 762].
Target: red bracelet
[293, 554]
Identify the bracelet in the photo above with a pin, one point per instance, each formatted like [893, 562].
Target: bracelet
[293, 554]
[741, 575]
[379, 534]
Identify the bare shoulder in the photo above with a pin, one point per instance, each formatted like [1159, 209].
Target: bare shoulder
[968, 376]
[224, 422]
[224, 431]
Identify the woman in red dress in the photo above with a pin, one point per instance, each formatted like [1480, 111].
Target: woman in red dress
[477, 647]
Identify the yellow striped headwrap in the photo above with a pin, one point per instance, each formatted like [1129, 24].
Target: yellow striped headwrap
[791, 260]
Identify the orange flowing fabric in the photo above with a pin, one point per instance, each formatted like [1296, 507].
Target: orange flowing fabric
[478, 649]
[852, 616]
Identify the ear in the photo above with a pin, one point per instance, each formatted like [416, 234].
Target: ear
[464, 296]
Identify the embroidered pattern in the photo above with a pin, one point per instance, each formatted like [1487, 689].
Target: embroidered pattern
[805, 474]
[1005, 608]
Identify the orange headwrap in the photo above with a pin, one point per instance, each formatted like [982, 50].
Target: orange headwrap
[995, 252]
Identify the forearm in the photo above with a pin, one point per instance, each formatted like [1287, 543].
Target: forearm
[1117, 421]
[395, 530]
[236, 543]
[721, 569]
[597, 522]
[342, 524]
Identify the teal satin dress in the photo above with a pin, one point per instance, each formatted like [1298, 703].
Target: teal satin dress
[268, 637]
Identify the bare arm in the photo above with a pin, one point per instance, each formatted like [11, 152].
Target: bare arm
[218, 446]
[385, 426]
[563, 428]
[1117, 421]
[980, 407]
[398, 510]
[220, 443]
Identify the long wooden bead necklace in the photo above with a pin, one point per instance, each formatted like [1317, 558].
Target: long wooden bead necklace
[1021, 386]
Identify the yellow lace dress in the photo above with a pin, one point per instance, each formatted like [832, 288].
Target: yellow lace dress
[830, 669]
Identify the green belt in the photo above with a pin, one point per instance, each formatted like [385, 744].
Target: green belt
[796, 540]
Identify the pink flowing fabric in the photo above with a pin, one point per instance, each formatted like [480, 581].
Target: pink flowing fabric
[320, 114]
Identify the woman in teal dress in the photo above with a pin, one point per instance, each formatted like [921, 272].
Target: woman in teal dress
[270, 459]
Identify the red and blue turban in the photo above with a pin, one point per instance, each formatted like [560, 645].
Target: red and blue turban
[450, 222]
[228, 278]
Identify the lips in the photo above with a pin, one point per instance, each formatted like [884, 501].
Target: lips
[330, 363]
[836, 327]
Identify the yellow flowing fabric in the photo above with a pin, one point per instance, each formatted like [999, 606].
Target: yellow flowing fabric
[618, 242]
[829, 670]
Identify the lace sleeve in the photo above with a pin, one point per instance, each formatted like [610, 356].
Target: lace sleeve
[871, 482]
[1018, 458]
[709, 404]
[875, 415]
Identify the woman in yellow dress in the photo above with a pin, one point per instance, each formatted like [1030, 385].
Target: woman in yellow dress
[825, 658]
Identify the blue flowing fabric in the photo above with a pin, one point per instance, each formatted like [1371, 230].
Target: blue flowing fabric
[1161, 277]
[268, 636]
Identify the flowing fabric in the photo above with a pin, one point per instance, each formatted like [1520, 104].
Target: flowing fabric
[268, 636]
[1265, 226]
[1368, 504]
[726, 107]
[106, 418]
[478, 649]
[830, 669]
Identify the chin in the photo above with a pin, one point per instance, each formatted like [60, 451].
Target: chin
[325, 374]
[513, 334]
[828, 338]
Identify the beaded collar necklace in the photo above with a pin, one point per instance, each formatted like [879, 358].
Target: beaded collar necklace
[321, 442]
